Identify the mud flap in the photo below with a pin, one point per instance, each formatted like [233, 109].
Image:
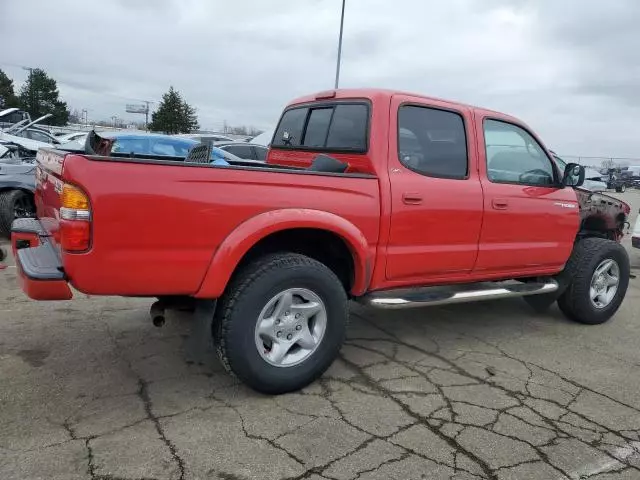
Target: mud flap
[199, 344]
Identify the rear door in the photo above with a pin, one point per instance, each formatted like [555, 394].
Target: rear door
[530, 222]
[436, 195]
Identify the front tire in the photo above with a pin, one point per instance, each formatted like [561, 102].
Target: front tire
[281, 322]
[621, 189]
[599, 271]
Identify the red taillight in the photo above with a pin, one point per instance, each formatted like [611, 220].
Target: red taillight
[75, 219]
[75, 235]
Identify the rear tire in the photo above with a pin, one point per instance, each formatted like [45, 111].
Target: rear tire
[14, 204]
[589, 255]
[252, 314]
[621, 189]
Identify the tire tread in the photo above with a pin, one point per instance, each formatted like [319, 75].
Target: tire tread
[574, 301]
[246, 276]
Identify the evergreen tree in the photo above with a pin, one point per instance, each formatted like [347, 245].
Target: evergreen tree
[8, 97]
[39, 96]
[174, 115]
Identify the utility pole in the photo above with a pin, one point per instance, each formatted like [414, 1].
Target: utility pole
[113, 119]
[85, 116]
[340, 46]
[146, 115]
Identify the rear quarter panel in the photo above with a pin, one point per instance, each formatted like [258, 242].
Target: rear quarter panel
[156, 227]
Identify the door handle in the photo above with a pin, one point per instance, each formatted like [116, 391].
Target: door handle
[411, 198]
[500, 203]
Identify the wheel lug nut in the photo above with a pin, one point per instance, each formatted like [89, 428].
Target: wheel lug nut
[278, 334]
[297, 315]
[289, 337]
[298, 327]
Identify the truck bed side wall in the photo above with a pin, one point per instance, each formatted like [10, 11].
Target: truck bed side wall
[156, 227]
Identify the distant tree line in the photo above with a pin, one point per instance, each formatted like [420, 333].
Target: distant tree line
[241, 130]
[39, 96]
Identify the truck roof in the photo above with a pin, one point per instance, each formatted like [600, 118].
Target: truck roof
[377, 94]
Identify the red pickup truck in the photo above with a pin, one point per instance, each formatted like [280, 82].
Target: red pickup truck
[391, 199]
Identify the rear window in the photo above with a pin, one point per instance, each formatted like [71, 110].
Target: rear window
[336, 127]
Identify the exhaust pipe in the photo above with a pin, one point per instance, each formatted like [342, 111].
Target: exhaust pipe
[157, 314]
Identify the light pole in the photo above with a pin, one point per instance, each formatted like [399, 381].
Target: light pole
[340, 46]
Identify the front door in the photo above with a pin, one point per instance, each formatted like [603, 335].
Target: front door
[530, 222]
[436, 196]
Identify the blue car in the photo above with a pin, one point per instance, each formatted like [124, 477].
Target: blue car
[158, 144]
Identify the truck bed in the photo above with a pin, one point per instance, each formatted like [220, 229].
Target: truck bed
[156, 224]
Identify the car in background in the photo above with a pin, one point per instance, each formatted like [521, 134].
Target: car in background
[149, 143]
[40, 135]
[206, 137]
[157, 144]
[246, 151]
[79, 137]
[263, 139]
[593, 180]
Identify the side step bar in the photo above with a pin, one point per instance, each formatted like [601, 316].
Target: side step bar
[443, 295]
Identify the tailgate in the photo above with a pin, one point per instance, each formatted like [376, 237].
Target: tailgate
[48, 190]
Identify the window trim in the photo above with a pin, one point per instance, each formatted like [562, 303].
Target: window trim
[556, 180]
[442, 109]
[326, 104]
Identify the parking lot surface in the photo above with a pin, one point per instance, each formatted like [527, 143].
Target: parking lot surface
[90, 389]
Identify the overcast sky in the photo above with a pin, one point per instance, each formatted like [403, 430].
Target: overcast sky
[569, 68]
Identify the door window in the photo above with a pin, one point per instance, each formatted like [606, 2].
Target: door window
[514, 156]
[432, 142]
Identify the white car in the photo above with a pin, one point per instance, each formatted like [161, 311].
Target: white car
[635, 236]
[263, 139]
[79, 137]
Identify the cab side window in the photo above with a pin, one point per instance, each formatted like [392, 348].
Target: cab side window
[514, 156]
[432, 142]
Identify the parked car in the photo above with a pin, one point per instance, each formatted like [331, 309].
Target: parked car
[41, 135]
[269, 254]
[79, 137]
[593, 178]
[263, 139]
[207, 137]
[21, 133]
[635, 236]
[17, 185]
[248, 151]
[150, 143]
[141, 144]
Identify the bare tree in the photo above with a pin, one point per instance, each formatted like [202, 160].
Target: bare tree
[608, 163]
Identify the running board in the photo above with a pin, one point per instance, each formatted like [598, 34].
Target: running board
[443, 295]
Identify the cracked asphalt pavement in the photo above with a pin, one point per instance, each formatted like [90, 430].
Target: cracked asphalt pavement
[90, 389]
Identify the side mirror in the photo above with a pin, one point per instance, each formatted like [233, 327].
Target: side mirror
[573, 175]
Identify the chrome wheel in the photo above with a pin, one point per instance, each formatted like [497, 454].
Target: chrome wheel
[290, 327]
[604, 283]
